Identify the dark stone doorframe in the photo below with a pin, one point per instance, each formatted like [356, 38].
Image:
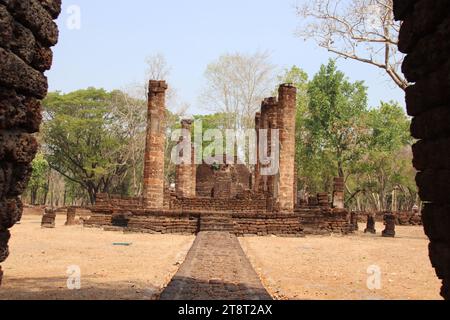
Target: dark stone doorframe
[424, 37]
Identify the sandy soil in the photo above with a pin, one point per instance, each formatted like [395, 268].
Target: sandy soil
[37, 266]
[323, 268]
[305, 268]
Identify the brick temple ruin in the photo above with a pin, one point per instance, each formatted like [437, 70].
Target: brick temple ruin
[228, 198]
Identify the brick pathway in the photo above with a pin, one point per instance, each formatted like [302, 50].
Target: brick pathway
[216, 268]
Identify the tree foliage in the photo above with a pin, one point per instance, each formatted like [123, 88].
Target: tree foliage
[85, 141]
[339, 135]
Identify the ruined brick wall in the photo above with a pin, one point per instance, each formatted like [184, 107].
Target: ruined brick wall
[220, 205]
[424, 37]
[226, 182]
[320, 221]
[27, 31]
[267, 224]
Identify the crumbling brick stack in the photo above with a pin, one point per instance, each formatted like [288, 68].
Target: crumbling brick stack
[49, 219]
[324, 221]
[185, 177]
[225, 181]
[389, 222]
[338, 193]
[424, 37]
[71, 216]
[27, 31]
[408, 218]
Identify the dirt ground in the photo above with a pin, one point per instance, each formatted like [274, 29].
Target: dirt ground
[290, 268]
[324, 268]
[40, 258]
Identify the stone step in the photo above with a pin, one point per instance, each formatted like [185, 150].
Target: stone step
[216, 223]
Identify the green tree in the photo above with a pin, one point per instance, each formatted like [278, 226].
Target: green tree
[84, 140]
[38, 184]
[334, 121]
[386, 164]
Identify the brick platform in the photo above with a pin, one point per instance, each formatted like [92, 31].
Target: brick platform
[216, 268]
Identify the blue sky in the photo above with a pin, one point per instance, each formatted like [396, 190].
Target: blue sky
[109, 50]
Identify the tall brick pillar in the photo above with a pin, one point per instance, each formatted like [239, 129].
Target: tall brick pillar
[257, 178]
[287, 106]
[185, 172]
[155, 145]
[263, 124]
[194, 171]
[27, 33]
[272, 121]
[424, 37]
[339, 193]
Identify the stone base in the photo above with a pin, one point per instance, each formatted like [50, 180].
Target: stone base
[307, 221]
[389, 231]
[388, 234]
[370, 225]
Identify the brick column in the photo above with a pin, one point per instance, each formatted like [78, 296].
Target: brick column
[155, 143]
[272, 120]
[193, 172]
[185, 182]
[338, 193]
[286, 123]
[264, 124]
[257, 178]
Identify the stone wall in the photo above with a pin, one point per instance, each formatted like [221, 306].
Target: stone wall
[226, 182]
[324, 221]
[27, 31]
[288, 225]
[220, 205]
[424, 37]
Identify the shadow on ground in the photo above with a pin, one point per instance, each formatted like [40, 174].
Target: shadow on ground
[94, 289]
[182, 288]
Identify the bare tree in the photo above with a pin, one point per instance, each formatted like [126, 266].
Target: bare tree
[362, 30]
[131, 115]
[157, 67]
[236, 84]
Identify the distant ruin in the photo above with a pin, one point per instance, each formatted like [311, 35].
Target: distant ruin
[227, 197]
